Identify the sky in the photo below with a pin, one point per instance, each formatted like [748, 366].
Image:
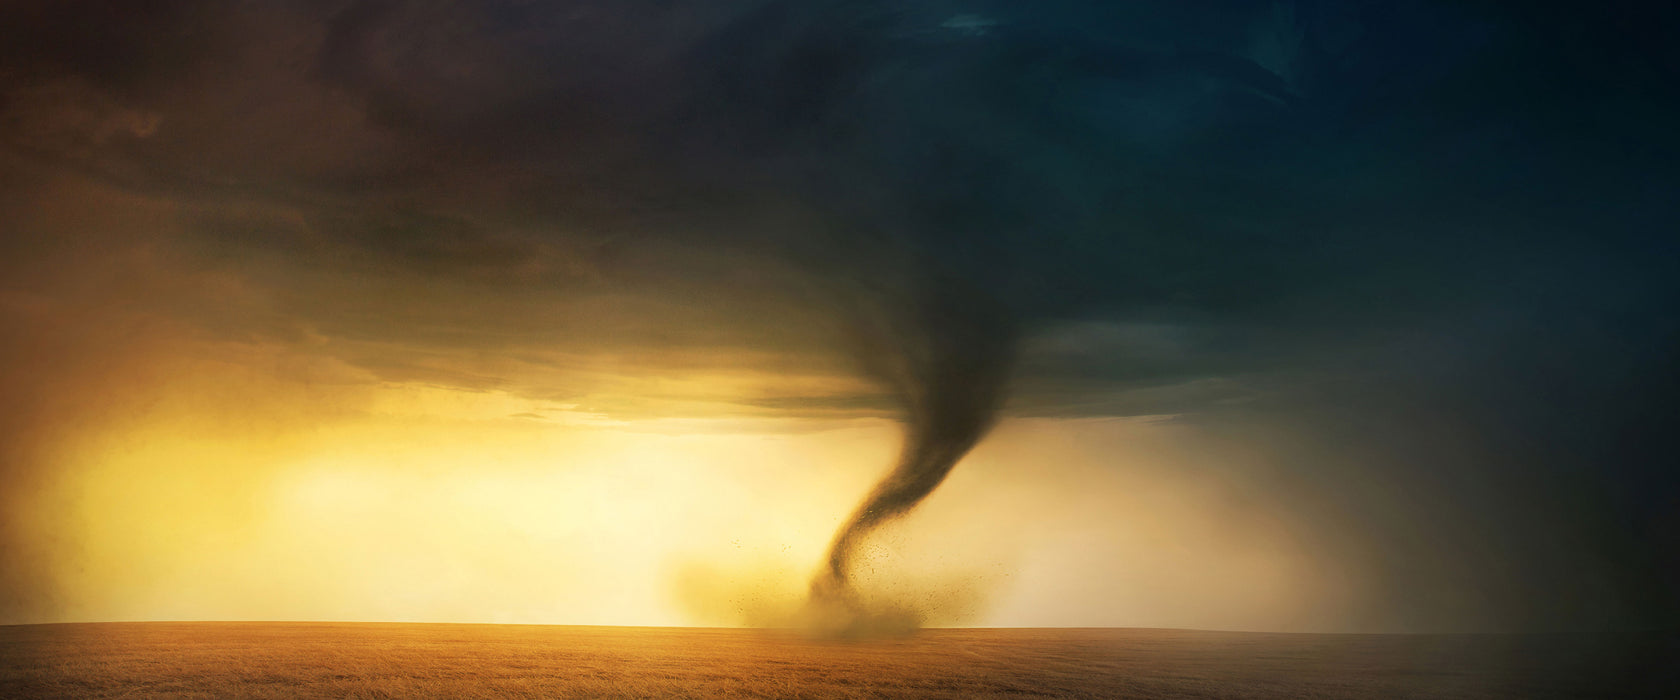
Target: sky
[1289, 316]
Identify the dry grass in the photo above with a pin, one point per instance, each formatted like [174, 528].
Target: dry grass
[287, 660]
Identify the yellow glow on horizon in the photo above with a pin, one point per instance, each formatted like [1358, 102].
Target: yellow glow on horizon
[245, 496]
[497, 521]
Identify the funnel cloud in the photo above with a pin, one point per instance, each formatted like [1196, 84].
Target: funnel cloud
[946, 357]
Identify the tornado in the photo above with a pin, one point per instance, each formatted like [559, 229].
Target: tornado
[946, 355]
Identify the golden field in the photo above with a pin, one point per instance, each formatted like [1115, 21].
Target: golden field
[366, 660]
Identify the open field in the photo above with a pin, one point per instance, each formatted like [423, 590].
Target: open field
[213, 660]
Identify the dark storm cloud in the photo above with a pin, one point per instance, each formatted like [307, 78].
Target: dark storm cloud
[1438, 232]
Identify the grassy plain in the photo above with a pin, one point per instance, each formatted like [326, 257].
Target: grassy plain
[359, 660]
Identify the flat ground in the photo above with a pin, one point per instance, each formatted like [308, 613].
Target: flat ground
[287, 660]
